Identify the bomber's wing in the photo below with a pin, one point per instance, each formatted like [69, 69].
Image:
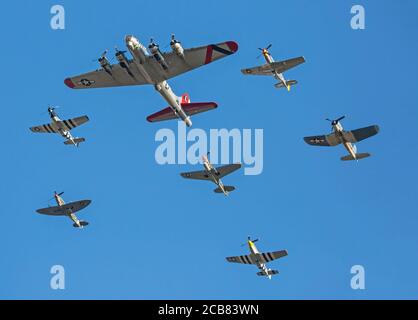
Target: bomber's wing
[324, 140]
[45, 128]
[279, 67]
[245, 259]
[270, 256]
[197, 175]
[361, 134]
[116, 77]
[74, 122]
[227, 169]
[195, 58]
[65, 209]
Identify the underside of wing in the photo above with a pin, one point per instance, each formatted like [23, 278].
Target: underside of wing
[270, 256]
[264, 70]
[74, 122]
[45, 128]
[196, 57]
[52, 211]
[282, 66]
[116, 77]
[65, 209]
[361, 134]
[227, 169]
[76, 205]
[245, 259]
[324, 140]
[197, 175]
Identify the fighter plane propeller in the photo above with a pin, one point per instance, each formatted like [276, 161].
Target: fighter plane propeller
[336, 121]
[249, 239]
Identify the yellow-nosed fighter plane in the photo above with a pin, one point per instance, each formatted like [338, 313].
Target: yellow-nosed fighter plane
[275, 69]
[259, 259]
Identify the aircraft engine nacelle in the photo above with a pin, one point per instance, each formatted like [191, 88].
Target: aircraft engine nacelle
[156, 53]
[177, 48]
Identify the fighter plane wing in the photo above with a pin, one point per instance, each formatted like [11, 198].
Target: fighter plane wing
[227, 169]
[119, 76]
[245, 259]
[45, 128]
[65, 209]
[324, 140]
[279, 67]
[74, 122]
[361, 134]
[197, 175]
[270, 256]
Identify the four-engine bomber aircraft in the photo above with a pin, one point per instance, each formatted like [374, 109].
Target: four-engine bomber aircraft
[62, 127]
[347, 138]
[151, 66]
[259, 259]
[275, 69]
[68, 209]
[214, 174]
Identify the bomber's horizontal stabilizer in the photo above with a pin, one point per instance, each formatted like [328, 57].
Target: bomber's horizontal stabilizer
[76, 141]
[269, 273]
[227, 189]
[289, 83]
[82, 224]
[188, 108]
[358, 156]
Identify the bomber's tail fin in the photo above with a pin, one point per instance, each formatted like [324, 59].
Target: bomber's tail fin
[358, 156]
[226, 188]
[268, 273]
[82, 224]
[289, 83]
[77, 141]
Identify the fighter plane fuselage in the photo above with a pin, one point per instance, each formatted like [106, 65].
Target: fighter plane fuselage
[338, 130]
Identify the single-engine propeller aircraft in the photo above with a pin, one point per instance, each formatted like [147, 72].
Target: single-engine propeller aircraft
[63, 127]
[347, 138]
[259, 259]
[214, 174]
[275, 69]
[69, 209]
[151, 66]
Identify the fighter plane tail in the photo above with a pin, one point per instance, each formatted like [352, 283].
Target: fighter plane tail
[76, 141]
[289, 84]
[82, 224]
[358, 156]
[268, 273]
[227, 189]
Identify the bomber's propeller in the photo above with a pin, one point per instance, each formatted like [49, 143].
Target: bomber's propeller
[119, 51]
[336, 121]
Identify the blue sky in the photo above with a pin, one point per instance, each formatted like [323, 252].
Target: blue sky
[154, 235]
